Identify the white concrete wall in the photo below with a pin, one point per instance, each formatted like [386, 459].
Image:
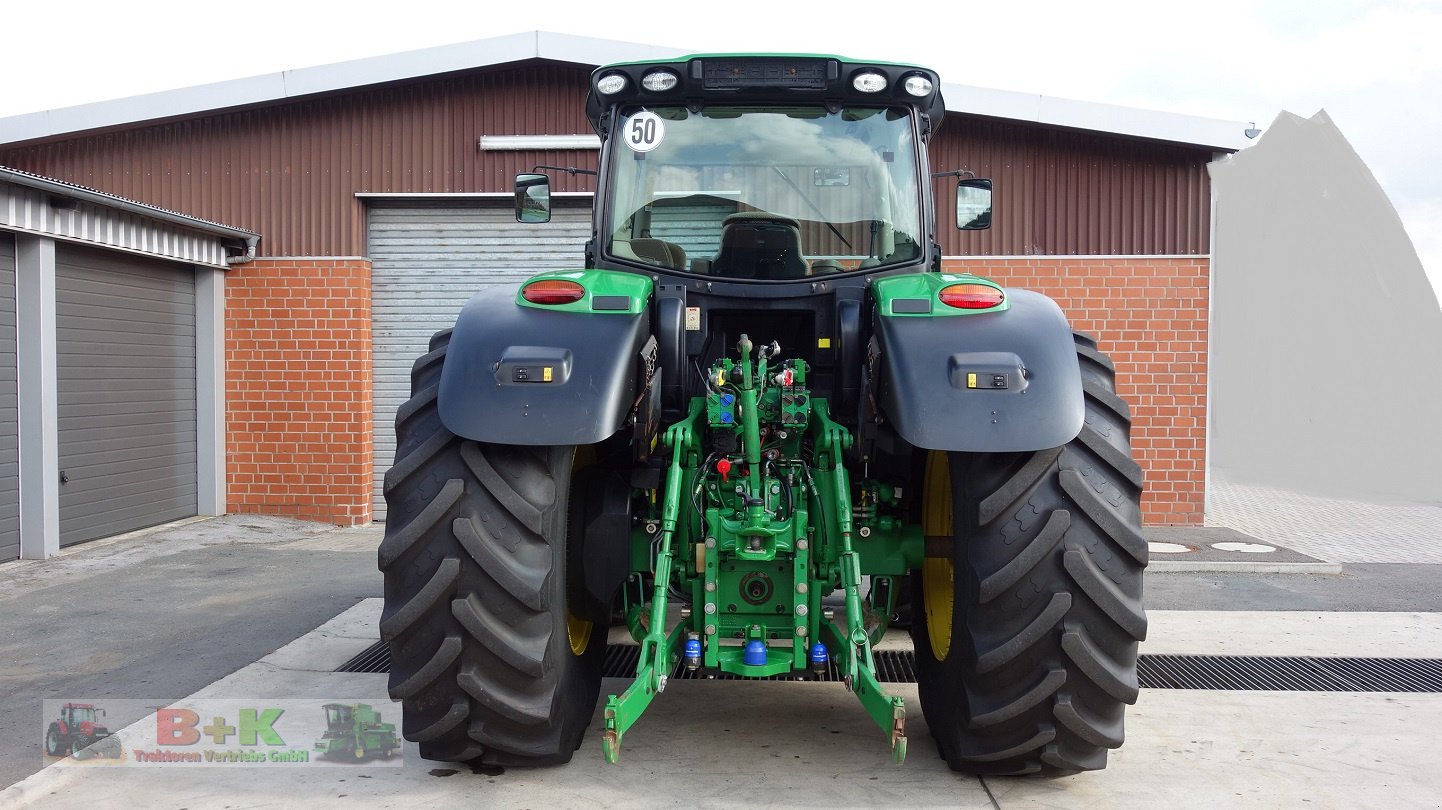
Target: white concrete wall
[1326, 369]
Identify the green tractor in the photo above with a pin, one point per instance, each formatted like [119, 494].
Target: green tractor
[356, 731]
[759, 424]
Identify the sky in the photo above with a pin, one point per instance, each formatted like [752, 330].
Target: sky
[1375, 66]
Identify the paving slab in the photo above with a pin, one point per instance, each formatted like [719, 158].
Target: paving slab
[1337, 530]
[728, 744]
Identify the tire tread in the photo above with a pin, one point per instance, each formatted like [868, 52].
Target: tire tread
[1047, 590]
[473, 560]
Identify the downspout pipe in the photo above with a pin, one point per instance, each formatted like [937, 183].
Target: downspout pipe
[248, 254]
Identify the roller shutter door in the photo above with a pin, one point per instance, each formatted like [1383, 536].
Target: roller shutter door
[9, 408]
[696, 228]
[427, 259]
[125, 369]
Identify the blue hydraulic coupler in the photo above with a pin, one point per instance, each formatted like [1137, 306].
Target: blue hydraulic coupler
[819, 658]
[755, 655]
[692, 652]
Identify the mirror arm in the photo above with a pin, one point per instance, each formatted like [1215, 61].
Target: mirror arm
[571, 170]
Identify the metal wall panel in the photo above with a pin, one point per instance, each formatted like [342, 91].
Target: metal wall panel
[290, 170]
[9, 408]
[428, 259]
[1063, 192]
[125, 369]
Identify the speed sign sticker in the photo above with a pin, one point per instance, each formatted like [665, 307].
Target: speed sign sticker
[644, 131]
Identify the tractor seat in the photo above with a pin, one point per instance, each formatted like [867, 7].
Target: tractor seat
[759, 245]
[667, 254]
[651, 251]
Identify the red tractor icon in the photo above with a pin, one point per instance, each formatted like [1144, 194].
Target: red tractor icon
[78, 733]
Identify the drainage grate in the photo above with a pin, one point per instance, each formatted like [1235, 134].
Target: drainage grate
[892, 666]
[375, 658]
[1219, 672]
[1274, 673]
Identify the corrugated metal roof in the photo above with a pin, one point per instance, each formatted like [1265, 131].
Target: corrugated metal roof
[99, 219]
[72, 190]
[1151, 124]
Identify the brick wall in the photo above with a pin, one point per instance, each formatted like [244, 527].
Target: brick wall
[298, 374]
[1150, 315]
[298, 388]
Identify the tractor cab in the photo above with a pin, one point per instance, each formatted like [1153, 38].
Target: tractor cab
[80, 716]
[761, 168]
[765, 194]
[338, 719]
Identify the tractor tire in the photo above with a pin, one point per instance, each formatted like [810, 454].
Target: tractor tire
[486, 657]
[54, 743]
[1026, 634]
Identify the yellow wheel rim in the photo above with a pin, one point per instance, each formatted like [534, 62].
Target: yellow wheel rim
[579, 633]
[578, 630]
[937, 573]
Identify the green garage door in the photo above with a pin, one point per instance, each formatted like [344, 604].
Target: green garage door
[427, 259]
[9, 408]
[125, 368]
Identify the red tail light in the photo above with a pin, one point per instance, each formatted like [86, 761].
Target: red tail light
[553, 292]
[971, 296]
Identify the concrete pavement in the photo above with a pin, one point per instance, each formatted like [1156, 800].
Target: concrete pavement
[727, 744]
[158, 614]
[207, 607]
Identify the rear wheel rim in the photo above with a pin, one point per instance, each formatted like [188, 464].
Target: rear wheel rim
[578, 631]
[938, 574]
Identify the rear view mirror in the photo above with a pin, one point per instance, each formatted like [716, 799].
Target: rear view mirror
[973, 204]
[533, 198]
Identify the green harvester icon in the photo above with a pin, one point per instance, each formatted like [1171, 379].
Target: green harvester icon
[356, 731]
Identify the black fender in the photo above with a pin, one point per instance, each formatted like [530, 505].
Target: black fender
[1026, 392]
[532, 376]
